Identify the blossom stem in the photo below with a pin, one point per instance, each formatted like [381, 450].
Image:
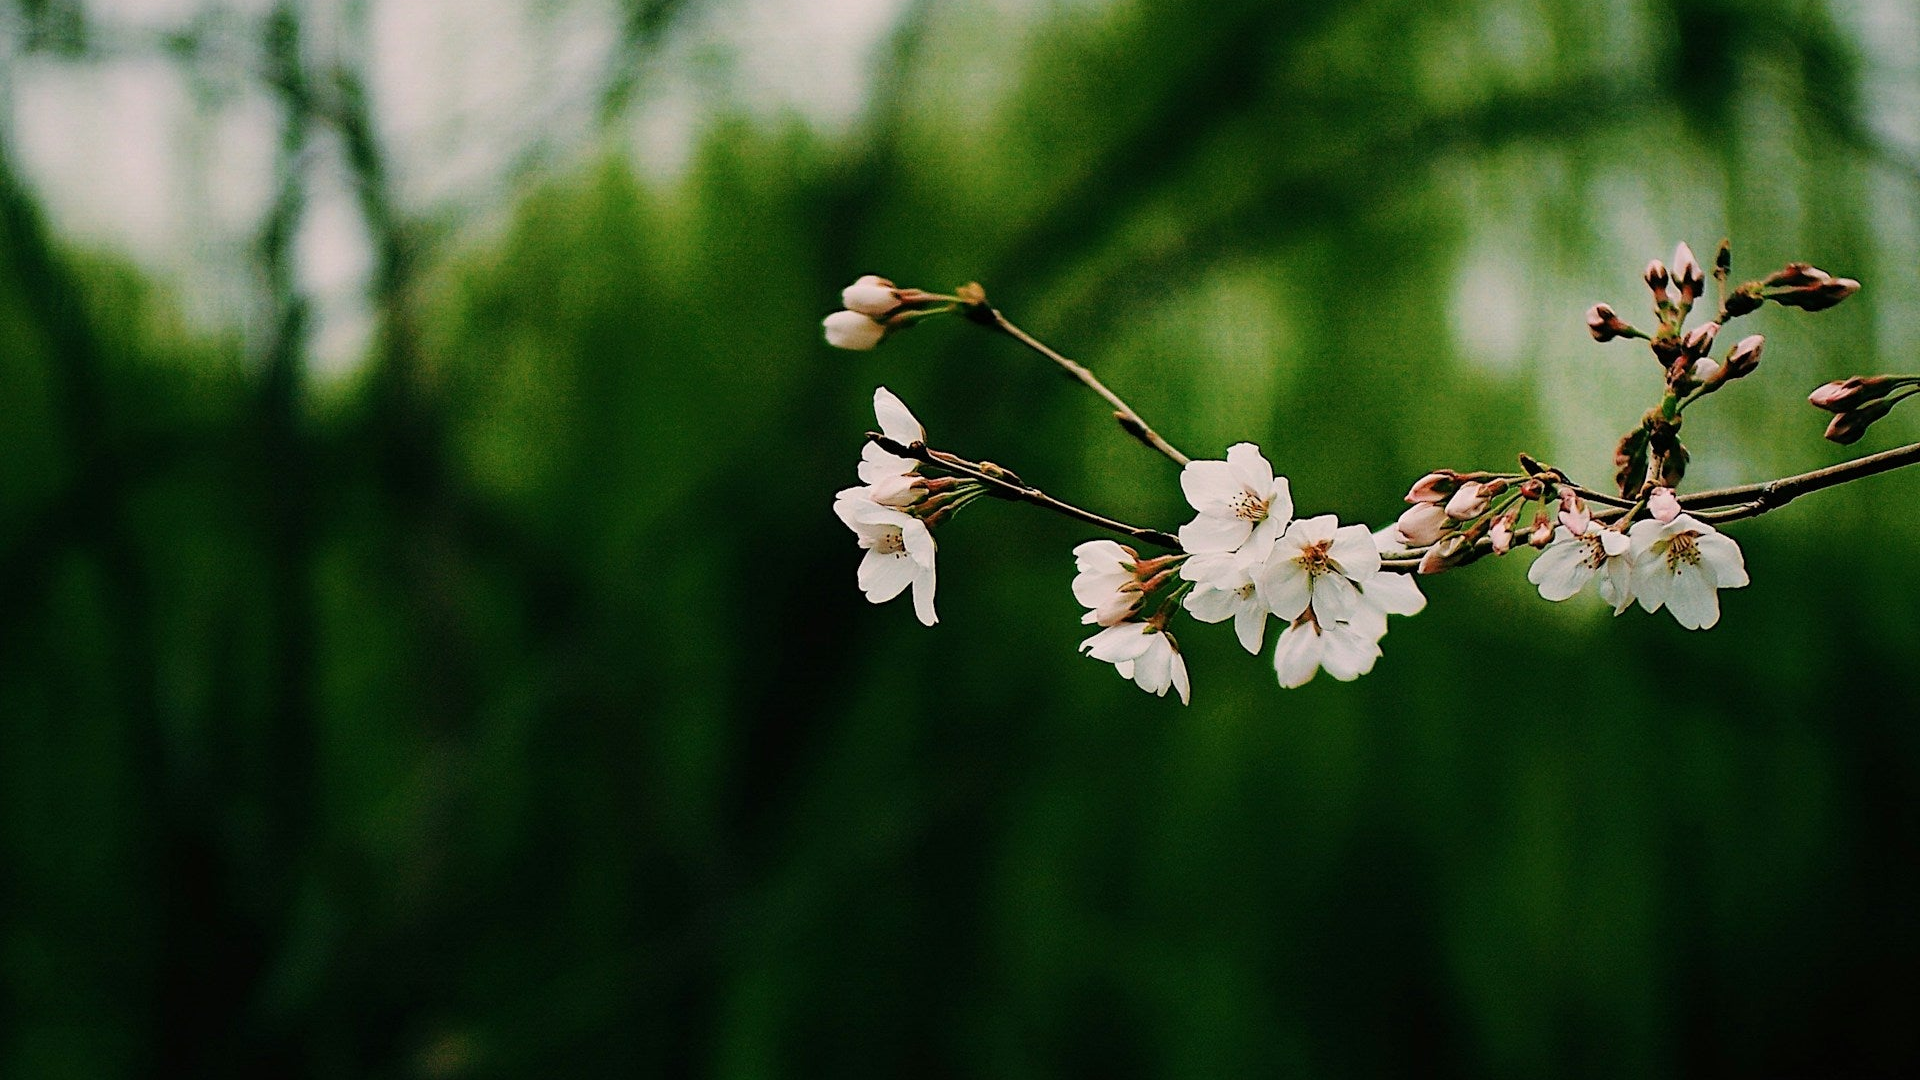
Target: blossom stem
[1005, 485]
[1129, 420]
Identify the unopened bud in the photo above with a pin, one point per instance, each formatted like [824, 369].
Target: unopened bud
[1434, 487]
[1795, 275]
[1532, 489]
[1445, 554]
[1698, 341]
[1817, 297]
[1501, 533]
[1744, 358]
[1723, 260]
[1851, 393]
[1656, 276]
[1687, 275]
[1663, 504]
[1704, 370]
[1574, 513]
[1470, 501]
[872, 295]
[1848, 427]
[1542, 532]
[1422, 524]
[1604, 325]
[852, 330]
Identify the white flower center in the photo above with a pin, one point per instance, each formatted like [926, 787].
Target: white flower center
[1683, 549]
[1248, 507]
[1244, 592]
[890, 542]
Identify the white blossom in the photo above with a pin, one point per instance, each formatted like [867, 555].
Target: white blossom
[1145, 653]
[852, 330]
[1683, 564]
[1346, 650]
[892, 480]
[872, 295]
[1317, 564]
[1224, 589]
[1106, 582]
[1240, 503]
[1567, 563]
[899, 550]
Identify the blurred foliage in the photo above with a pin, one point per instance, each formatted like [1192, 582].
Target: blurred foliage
[508, 710]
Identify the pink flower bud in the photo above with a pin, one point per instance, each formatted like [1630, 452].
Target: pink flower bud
[852, 330]
[1664, 504]
[1470, 501]
[1698, 341]
[1434, 487]
[1816, 297]
[872, 295]
[1849, 427]
[1604, 325]
[1744, 358]
[1532, 489]
[1445, 554]
[1705, 369]
[1542, 532]
[1851, 393]
[1574, 513]
[1687, 274]
[1656, 276]
[1422, 524]
[1501, 532]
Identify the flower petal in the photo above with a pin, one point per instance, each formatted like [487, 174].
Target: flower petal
[897, 422]
[1286, 588]
[1250, 624]
[1561, 570]
[1394, 594]
[923, 583]
[1297, 656]
[1692, 599]
[1211, 605]
[1353, 549]
[883, 577]
[1250, 468]
[1334, 598]
[1180, 682]
[1348, 654]
[1207, 533]
[1721, 555]
[1208, 485]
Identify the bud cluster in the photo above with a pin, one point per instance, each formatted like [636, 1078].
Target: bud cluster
[873, 307]
[1451, 512]
[1858, 401]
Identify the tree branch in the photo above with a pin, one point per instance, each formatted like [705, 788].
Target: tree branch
[1129, 420]
[1004, 484]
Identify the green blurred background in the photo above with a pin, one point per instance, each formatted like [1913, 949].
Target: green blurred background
[426, 648]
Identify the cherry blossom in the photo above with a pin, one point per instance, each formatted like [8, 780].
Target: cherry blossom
[1145, 653]
[1570, 561]
[1107, 583]
[1683, 564]
[899, 549]
[893, 480]
[872, 295]
[1317, 564]
[1240, 504]
[1224, 589]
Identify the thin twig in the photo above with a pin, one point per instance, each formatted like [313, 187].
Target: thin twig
[1005, 485]
[1129, 420]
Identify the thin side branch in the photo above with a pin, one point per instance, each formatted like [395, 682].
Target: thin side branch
[1129, 420]
[1003, 484]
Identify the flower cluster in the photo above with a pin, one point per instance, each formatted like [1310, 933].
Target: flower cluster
[1245, 558]
[894, 511]
[1859, 401]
